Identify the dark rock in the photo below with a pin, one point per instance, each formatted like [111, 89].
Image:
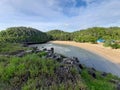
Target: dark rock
[118, 86]
[58, 57]
[93, 69]
[45, 49]
[76, 59]
[92, 73]
[104, 74]
[81, 66]
[64, 74]
[50, 54]
[52, 50]
[68, 61]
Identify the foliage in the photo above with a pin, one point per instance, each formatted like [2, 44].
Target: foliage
[92, 34]
[89, 35]
[59, 35]
[11, 48]
[100, 83]
[23, 35]
[112, 44]
[115, 46]
[31, 73]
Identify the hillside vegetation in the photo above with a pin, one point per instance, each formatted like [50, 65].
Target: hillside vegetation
[111, 36]
[23, 35]
[92, 34]
[59, 35]
[88, 35]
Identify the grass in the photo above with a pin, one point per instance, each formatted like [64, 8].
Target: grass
[9, 48]
[29, 71]
[100, 83]
[33, 72]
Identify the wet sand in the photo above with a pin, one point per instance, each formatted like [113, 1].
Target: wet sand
[113, 55]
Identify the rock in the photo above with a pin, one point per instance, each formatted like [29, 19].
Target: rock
[92, 73]
[64, 74]
[104, 74]
[68, 61]
[76, 59]
[114, 81]
[93, 69]
[52, 50]
[58, 57]
[49, 54]
[45, 49]
[80, 66]
[118, 86]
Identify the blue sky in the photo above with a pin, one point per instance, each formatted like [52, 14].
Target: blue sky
[67, 15]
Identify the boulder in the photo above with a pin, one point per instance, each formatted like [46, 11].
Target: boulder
[92, 73]
[57, 57]
[76, 59]
[45, 49]
[50, 54]
[80, 66]
[104, 74]
[52, 50]
[68, 61]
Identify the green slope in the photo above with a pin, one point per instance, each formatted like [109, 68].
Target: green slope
[23, 34]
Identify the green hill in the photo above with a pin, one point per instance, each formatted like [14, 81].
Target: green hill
[87, 35]
[23, 35]
[59, 35]
[92, 34]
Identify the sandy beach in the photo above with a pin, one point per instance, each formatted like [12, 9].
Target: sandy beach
[112, 55]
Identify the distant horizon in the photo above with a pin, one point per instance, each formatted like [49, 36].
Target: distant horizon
[68, 15]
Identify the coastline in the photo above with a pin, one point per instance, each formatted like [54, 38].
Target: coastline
[113, 55]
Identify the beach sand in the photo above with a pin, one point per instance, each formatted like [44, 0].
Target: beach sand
[110, 54]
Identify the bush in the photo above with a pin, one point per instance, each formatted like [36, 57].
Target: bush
[115, 46]
[107, 43]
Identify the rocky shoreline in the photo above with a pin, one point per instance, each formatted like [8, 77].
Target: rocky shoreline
[67, 63]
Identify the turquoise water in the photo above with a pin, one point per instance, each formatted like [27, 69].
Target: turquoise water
[85, 57]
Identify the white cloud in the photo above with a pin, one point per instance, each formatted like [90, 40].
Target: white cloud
[48, 14]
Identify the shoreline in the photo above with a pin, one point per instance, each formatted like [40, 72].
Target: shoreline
[113, 55]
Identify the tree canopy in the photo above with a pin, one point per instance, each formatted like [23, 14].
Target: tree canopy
[59, 35]
[23, 35]
[87, 35]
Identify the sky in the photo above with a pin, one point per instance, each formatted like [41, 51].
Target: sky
[67, 15]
